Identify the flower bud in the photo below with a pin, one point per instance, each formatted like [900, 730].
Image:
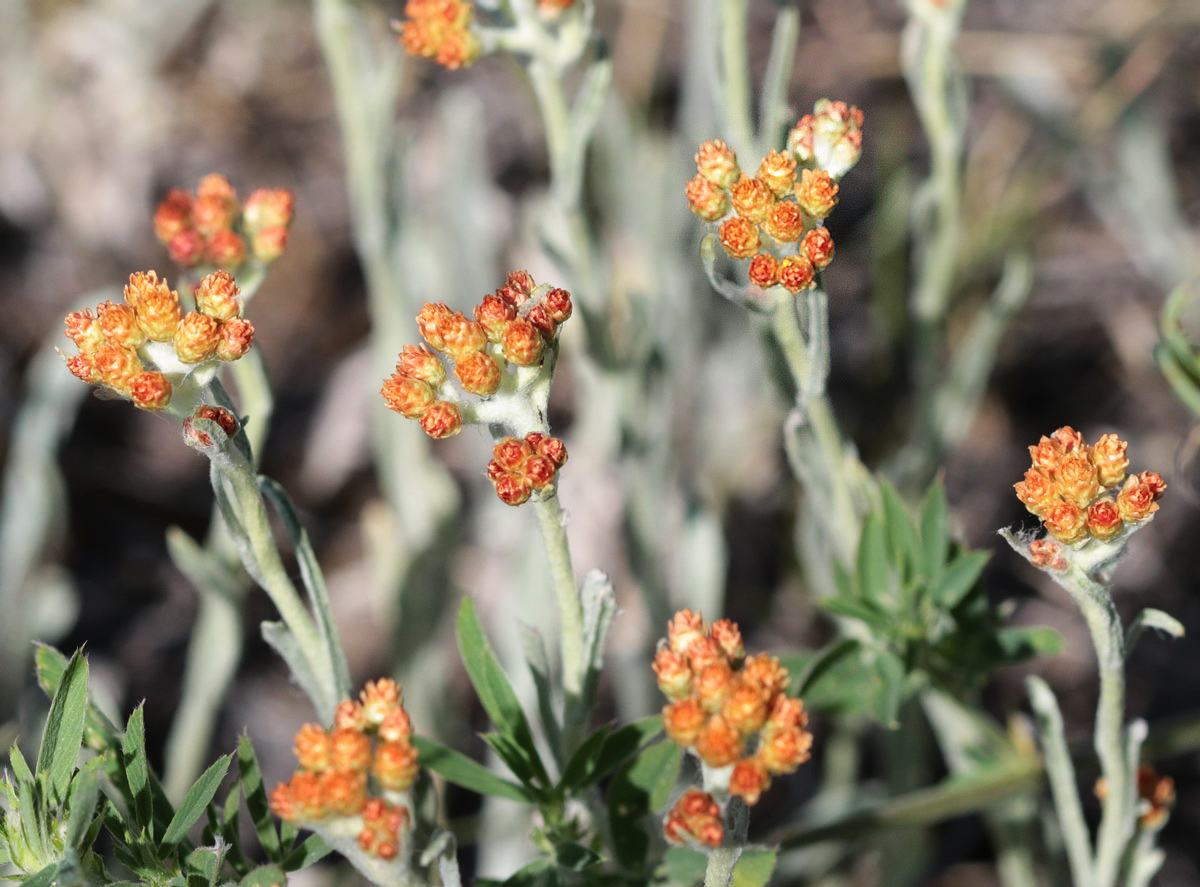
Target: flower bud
[796, 273]
[703, 652]
[349, 749]
[441, 419]
[696, 816]
[717, 743]
[1108, 455]
[187, 248]
[1136, 502]
[115, 366]
[349, 713]
[744, 709]
[752, 198]
[344, 791]
[749, 780]
[557, 303]
[705, 199]
[717, 163]
[764, 270]
[522, 343]
[268, 244]
[729, 638]
[225, 249]
[396, 726]
[1155, 482]
[683, 719]
[817, 247]
[830, 137]
[81, 367]
[674, 675]
[782, 751]
[1104, 520]
[429, 322]
[1043, 552]
[313, 747]
[379, 698]
[494, 315]
[84, 330]
[460, 335]
[156, 304]
[173, 215]
[418, 362]
[816, 192]
[539, 471]
[684, 628]
[478, 373]
[739, 237]
[395, 765]
[1070, 440]
[225, 419]
[542, 321]
[119, 325]
[1066, 522]
[196, 337]
[778, 172]
[513, 489]
[234, 339]
[511, 453]
[218, 296]
[268, 208]
[553, 449]
[150, 391]
[1045, 455]
[713, 683]
[784, 222]
[766, 674]
[786, 712]
[216, 205]
[1075, 478]
[522, 282]
[408, 397]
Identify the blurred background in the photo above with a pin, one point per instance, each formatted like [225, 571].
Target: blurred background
[1082, 151]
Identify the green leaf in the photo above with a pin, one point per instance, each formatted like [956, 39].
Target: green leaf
[493, 688]
[517, 759]
[823, 663]
[862, 609]
[1020, 643]
[901, 537]
[959, 578]
[313, 848]
[578, 771]
[85, 794]
[599, 604]
[935, 530]
[754, 868]
[534, 648]
[137, 770]
[203, 866]
[314, 582]
[250, 779]
[575, 857]
[540, 873]
[464, 772]
[683, 865]
[874, 577]
[195, 802]
[21, 771]
[620, 745]
[265, 876]
[44, 878]
[99, 731]
[640, 788]
[889, 687]
[63, 736]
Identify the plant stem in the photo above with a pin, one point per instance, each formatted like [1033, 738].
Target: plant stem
[735, 75]
[552, 521]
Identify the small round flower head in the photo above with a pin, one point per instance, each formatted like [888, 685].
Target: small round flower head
[441, 30]
[349, 749]
[744, 708]
[522, 343]
[119, 324]
[673, 674]
[1136, 502]
[460, 335]
[216, 205]
[713, 684]
[1036, 491]
[752, 198]
[396, 726]
[796, 273]
[829, 138]
[173, 215]
[513, 489]
[344, 791]
[683, 718]
[313, 748]
[187, 248]
[558, 305]
[717, 163]
[268, 244]
[783, 750]
[749, 780]
[494, 315]
[1108, 455]
[1044, 552]
[82, 368]
[225, 249]
[157, 305]
[441, 419]
[695, 817]
[1066, 522]
[784, 222]
[268, 208]
[739, 237]
[84, 330]
[349, 713]
[1104, 519]
[718, 744]
[1075, 478]
[765, 673]
[540, 472]
[395, 765]
[478, 373]
[408, 397]
[115, 366]
[1154, 481]
[218, 296]
[816, 192]
[224, 419]
[429, 320]
[764, 270]
[778, 171]
[553, 449]
[706, 200]
[196, 337]
[234, 339]
[150, 391]
[521, 283]
[729, 638]
[379, 698]
[817, 247]
[418, 362]
[685, 627]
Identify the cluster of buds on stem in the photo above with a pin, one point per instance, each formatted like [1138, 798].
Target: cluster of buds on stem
[442, 30]
[830, 138]
[730, 709]
[521, 467]
[1156, 797]
[213, 228]
[773, 218]
[1082, 492]
[357, 773]
[696, 816]
[136, 349]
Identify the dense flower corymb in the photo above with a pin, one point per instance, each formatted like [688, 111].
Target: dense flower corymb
[731, 709]
[360, 769]
[1083, 492]
[213, 228]
[441, 30]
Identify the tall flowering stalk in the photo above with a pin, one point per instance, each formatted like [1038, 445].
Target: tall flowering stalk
[1090, 505]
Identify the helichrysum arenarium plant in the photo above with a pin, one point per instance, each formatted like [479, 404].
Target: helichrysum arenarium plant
[914, 633]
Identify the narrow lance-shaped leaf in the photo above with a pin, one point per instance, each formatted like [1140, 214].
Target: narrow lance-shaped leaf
[462, 771]
[195, 801]
[63, 735]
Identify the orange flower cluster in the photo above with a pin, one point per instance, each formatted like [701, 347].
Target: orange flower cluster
[114, 343]
[519, 467]
[696, 815]
[338, 765]
[830, 138]
[1071, 485]
[725, 703]
[554, 8]
[1156, 796]
[512, 325]
[775, 206]
[212, 227]
[440, 30]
